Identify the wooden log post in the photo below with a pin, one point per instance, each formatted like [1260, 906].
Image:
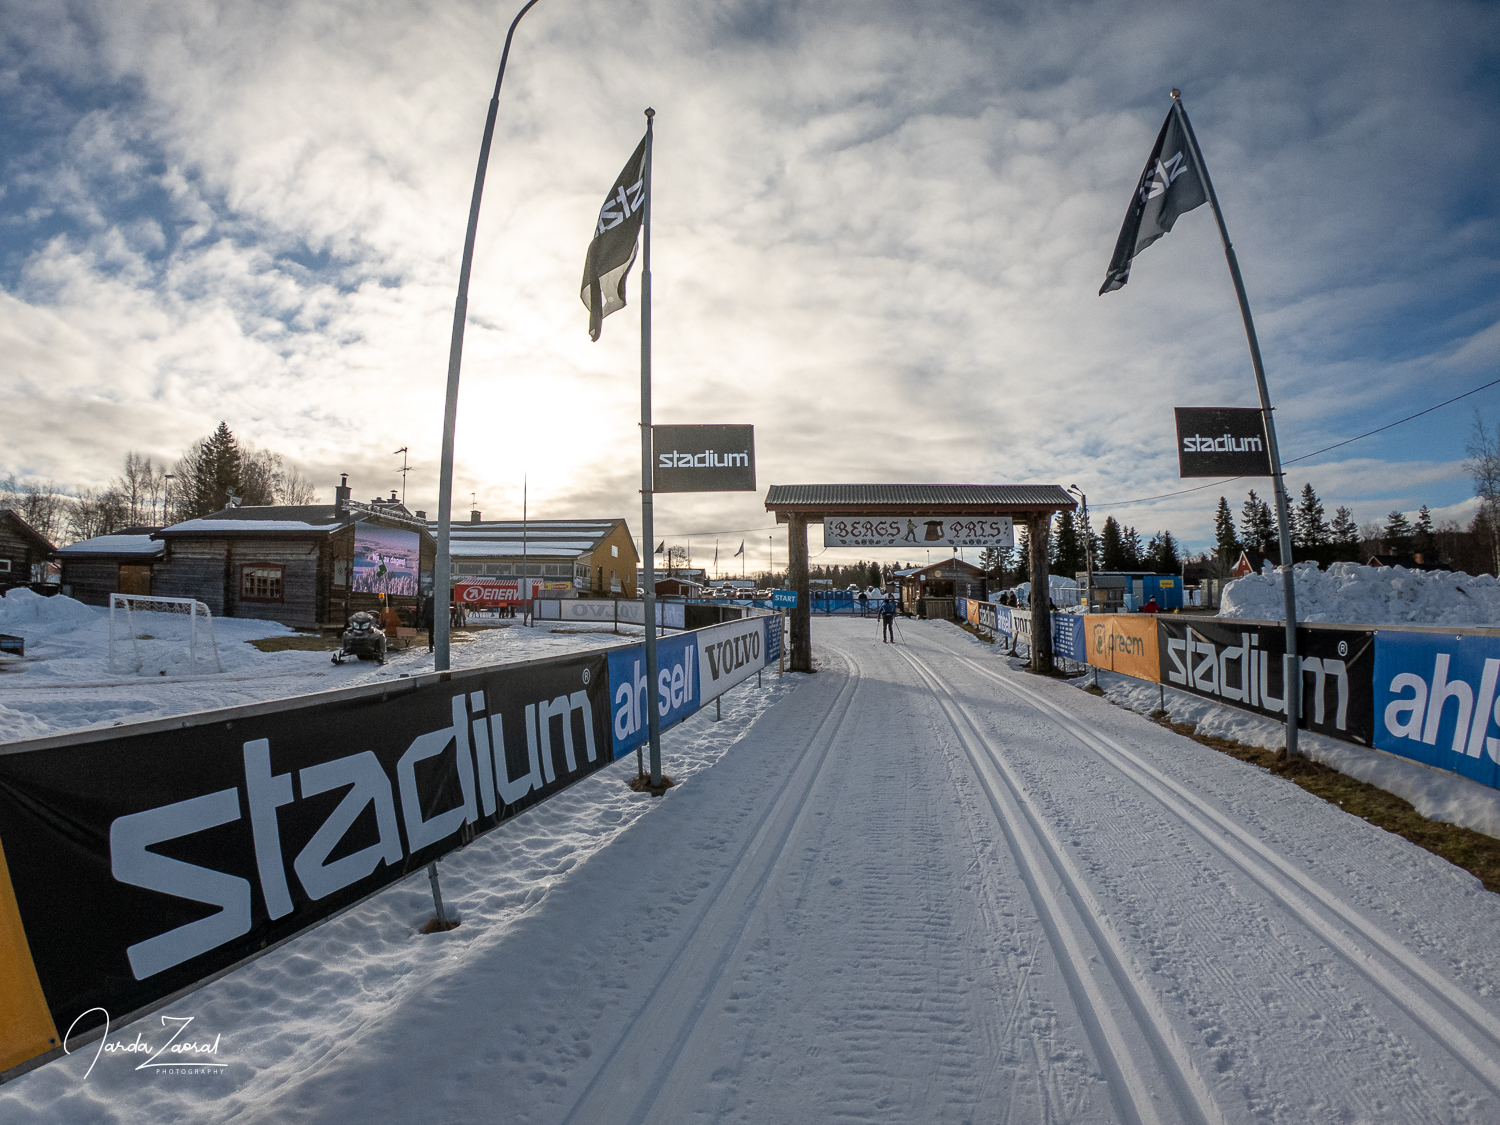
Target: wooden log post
[1038, 530]
[796, 539]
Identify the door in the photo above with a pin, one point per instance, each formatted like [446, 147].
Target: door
[135, 578]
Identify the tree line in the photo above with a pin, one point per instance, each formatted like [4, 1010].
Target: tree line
[212, 472]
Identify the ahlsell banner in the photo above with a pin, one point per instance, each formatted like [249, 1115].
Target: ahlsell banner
[1222, 442]
[140, 864]
[1240, 663]
[703, 458]
[1436, 701]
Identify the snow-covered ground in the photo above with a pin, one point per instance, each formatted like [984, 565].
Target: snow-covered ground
[66, 682]
[1348, 593]
[920, 885]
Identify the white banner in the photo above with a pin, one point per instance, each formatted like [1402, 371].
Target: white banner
[918, 531]
[669, 615]
[729, 654]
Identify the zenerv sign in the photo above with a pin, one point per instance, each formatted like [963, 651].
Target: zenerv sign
[703, 458]
[918, 531]
[1222, 441]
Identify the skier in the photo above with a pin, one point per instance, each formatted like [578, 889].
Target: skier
[888, 620]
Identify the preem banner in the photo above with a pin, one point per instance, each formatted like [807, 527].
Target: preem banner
[1124, 643]
[917, 531]
[1239, 662]
[1222, 442]
[703, 458]
[1435, 701]
[139, 864]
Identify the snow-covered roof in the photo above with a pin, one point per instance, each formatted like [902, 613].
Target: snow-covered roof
[874, 499]
[135, 545]
[189, 527]
[503, 539]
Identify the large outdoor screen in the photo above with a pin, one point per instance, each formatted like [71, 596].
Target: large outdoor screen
[386, 560]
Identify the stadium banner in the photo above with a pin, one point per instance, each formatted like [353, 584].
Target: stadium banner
[918, 531]
[1124, 643]
[140, 863]
[1435, 701]
[703, 458]
[1240, 663]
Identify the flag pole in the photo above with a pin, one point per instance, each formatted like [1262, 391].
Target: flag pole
[1291, 666]
[653, 718]
[442, 576]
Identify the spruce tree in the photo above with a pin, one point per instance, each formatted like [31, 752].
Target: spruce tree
[1398, 534]
[1134, 555]
[1112, 546]
[1257, 524]
[1346, 536]
[1309, 527]
[1067, 551]
[1161, 554]
[1226, 542]
[1424, 542]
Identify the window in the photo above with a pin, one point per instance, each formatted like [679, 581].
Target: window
[260, 583]
[530, 569]
[498, 570]
[4, 566]
[581, 570]
[467, 568]
[555, 570]
[614, 551]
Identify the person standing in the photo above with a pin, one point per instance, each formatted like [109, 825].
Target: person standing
[424, 618]
[888, 620]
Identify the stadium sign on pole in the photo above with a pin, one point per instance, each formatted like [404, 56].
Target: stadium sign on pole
[703, 458]
[1222, 441]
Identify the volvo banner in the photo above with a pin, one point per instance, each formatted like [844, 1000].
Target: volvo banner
[1222, 442]
[703, 458]
[139, 864]
[1239, 662]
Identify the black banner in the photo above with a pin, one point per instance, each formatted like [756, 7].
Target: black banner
[1240, 663]
[144, 864]
[1222, 441]
[703, 458]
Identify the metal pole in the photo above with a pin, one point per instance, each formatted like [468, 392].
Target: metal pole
[648, 527]
[443, 566]
[1291, 666]
[437, 896]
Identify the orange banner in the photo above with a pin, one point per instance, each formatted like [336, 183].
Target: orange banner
[1125, 643]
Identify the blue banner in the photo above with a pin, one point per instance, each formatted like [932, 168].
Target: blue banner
[1435, 697]
[1070, 637]
[675, 697]
[773, 639]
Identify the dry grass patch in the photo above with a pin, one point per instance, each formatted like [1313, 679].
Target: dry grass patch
[299, 642]
[1475, 852]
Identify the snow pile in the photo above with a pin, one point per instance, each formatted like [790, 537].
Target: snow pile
[25, 613]
[1365, 595]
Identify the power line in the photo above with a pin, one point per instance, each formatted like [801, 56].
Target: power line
[1305, 456]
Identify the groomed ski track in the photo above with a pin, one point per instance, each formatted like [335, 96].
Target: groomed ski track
[929, 887]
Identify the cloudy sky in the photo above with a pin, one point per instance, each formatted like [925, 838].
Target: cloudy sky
[879, 234]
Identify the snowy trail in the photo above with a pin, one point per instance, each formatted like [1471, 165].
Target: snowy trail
[922, 886]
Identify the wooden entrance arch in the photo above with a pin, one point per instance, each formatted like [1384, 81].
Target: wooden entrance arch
[798, 505]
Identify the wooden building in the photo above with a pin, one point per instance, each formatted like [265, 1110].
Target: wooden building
[575, 558]
[123, 563]
[946, 578]
[307, 566]
[24, 552]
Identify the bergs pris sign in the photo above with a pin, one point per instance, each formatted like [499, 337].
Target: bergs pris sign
[918, 531]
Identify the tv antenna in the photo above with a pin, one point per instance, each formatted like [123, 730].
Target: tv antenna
[405, 468]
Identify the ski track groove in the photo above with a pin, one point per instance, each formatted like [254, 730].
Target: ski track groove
[599, 1100]
[1013, 806]
[1187, 807]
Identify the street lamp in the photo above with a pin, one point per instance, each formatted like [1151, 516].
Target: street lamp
[1088, 551]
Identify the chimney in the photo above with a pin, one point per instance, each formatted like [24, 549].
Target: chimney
[474, 517]
[341, 494]
[421, 515]
[393, 496]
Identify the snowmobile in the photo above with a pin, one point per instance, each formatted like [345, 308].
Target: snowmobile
[363, 638]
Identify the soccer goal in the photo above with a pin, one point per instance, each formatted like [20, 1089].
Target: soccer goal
[161, 636]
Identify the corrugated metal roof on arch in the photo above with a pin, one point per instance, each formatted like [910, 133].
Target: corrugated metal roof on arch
[934, 498]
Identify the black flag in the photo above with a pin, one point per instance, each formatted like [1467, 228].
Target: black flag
[1170, 186]
[613, 250]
